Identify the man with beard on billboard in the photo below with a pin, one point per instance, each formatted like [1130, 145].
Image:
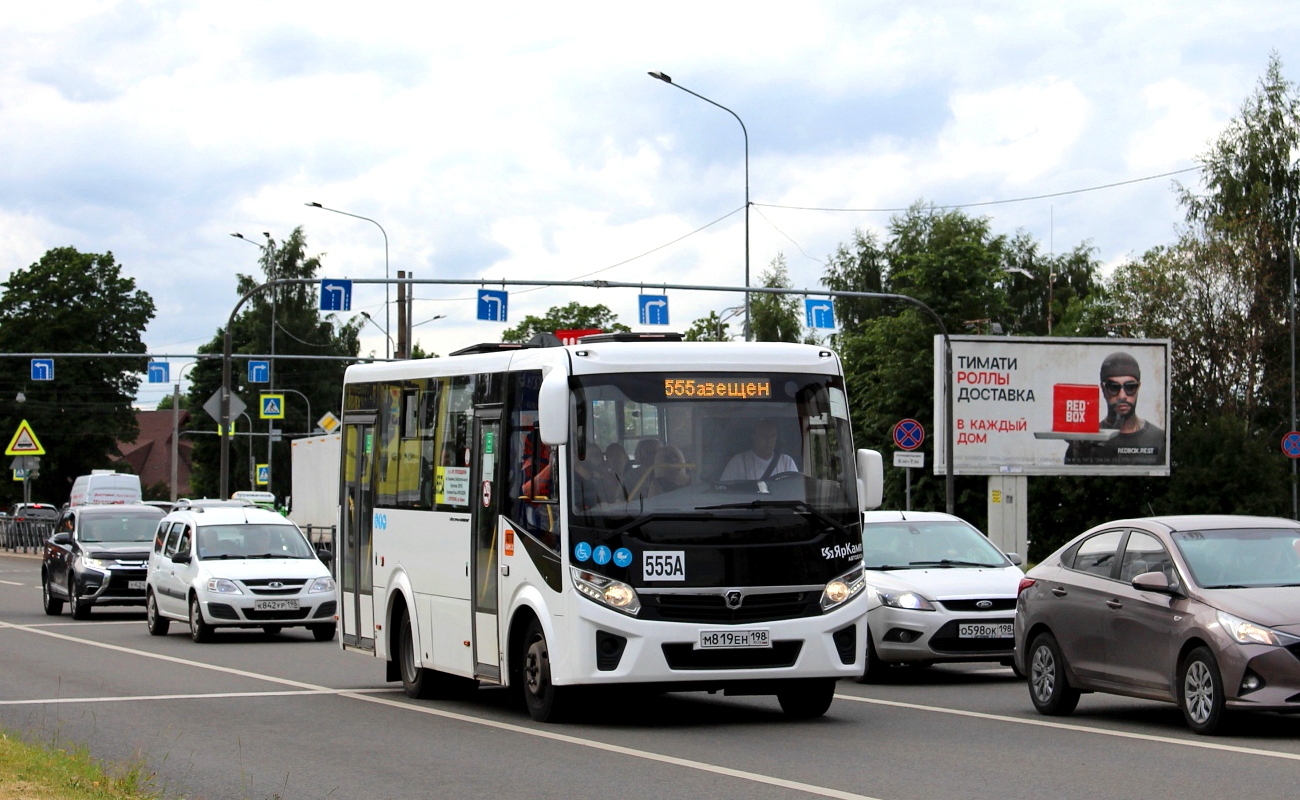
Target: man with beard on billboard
[1138, 441]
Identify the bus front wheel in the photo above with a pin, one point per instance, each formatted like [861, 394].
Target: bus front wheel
[806, 699]
[546, 702]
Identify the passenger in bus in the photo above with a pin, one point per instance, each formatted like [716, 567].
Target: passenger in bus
[593, 483]
[619, 466]
[670, 471]
[641, 470]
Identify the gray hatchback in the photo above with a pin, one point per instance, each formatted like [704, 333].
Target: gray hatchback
[1202, 611]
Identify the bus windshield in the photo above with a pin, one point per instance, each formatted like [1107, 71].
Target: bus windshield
[665, 446]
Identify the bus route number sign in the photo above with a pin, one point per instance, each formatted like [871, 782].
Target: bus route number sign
[663, 565]
[718, 388]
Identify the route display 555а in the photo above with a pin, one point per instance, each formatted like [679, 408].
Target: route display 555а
[1052, 406]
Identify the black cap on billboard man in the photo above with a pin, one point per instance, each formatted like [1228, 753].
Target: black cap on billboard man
[1139, 441]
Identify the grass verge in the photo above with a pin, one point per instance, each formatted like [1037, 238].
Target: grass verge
[34, 772]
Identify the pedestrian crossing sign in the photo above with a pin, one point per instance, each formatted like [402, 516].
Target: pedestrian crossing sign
[24, 442]
[272, 406]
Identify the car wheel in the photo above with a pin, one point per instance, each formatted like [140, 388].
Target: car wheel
[1049, 688]
[1201, 691]
[271, 630]
[158, 624]
[53, 605]
[80, 608]
[200, 631]
[875, 670]
[546, 702]
[323, 633]
[806, 699]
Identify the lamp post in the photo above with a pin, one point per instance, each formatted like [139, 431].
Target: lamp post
[387, 323]
[371, 320]
[659, 76]
[270, 423]
[311, 424]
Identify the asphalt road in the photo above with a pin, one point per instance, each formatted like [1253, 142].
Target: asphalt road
[256, 716]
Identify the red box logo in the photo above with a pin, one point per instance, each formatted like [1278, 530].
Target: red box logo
[1076, 408]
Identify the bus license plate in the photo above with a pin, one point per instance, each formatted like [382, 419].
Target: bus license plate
[1001, 630]
[730, 640]
[275, 605]
[134, 585]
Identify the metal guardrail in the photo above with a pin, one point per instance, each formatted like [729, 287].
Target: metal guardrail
[25, 534]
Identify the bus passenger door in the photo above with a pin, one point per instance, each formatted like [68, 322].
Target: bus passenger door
[486, 504]
[356, 590]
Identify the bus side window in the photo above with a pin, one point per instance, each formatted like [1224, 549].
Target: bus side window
[533, 475]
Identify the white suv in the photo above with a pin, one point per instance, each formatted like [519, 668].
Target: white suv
[240, 568]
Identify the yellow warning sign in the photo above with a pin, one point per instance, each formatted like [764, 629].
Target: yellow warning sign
[24, 442]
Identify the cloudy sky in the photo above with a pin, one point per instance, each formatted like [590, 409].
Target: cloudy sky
[515, 140]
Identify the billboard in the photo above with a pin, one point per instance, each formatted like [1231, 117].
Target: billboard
[1054, 406]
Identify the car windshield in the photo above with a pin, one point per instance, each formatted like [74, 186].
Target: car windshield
[118, 527]
[252, 540]
[925, 545]
[1242, 558]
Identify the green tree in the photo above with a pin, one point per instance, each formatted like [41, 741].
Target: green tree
[73, 302]
[775, 317]
[574, 316]
[709, 329]
[299, 330]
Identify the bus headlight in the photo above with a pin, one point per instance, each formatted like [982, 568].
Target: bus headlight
[607, 591]
[844, 588]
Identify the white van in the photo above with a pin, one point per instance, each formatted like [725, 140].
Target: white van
[105, 487]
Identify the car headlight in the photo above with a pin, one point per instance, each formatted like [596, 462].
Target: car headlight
[908, 600]
[844, 588]
[101, 563]
[1245, 632]
[222, 586]
[325, 584]
[615, 594]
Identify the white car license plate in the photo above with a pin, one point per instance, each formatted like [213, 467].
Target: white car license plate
[135, 585]
[972, 630]
[275, 605]
[729, 640]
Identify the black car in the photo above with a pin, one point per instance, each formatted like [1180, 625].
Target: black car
[98, 556]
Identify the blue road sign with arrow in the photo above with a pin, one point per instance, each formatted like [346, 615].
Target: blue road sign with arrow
[492, 305]
[819, 313]
[159, 372]
[335, 295]
[42, 369]
[259, 371]
[653, 309]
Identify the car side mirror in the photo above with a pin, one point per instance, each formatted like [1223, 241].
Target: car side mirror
[325, 556]
[1153, 582]
[61, 538]
[182, 558]
[1015, 559]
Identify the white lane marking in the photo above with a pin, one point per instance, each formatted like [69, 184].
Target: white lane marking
[96, 623]
[1042, 723]
[753, 777]
[209, 696]
[12, 583]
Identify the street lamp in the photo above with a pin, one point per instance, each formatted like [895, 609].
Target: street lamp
[275, 294]
[371, 320]
[387, 322]
[659, 76]
[1051, 282]
[311, 424]
[430, 319]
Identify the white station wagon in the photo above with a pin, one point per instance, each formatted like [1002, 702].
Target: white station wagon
[238, 568]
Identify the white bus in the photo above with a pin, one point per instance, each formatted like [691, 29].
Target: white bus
[631, 509]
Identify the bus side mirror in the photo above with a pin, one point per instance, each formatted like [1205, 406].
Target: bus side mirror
[553, 408]
[871, 480]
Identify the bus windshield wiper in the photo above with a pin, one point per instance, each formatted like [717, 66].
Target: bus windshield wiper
[885, 567]
[654, 515]
[947, 562]
[796, 505]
